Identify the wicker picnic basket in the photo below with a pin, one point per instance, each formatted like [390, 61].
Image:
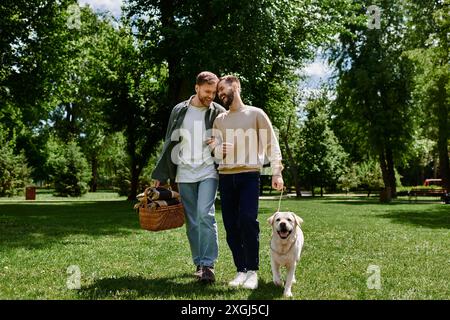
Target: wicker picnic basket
[154, 216]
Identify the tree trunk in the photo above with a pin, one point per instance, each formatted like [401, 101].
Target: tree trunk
[293, 167]
[294, 173]
[435, 165]
[384, 170]
[134, 166]
[298, 191]
[385, 195]
[94, 163]
[422, 175]
[139, 161]
[289, 188]
[444, 166]
[321, 191]
[391, 172]
[444, 128]
[135, 172]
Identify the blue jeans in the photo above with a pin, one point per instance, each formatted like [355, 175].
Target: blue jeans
[201, 227]
[239, 196]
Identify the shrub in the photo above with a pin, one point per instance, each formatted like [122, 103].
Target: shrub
[349, 180]
[366, 175]
[14, 171]
[69, 168]
[122, 182]
[370, 175]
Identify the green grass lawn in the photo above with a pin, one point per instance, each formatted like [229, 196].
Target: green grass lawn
[409, 242]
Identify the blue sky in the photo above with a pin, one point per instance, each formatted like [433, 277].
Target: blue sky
[112, 6]
[317, 72]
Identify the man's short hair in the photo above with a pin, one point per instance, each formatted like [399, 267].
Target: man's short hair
[206, 77]
[230, 79]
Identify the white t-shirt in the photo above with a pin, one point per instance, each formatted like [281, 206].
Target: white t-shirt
[195, 161]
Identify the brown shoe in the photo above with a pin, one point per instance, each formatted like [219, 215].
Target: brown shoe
[208, 275]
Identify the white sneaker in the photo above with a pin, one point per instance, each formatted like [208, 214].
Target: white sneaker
[238, 280]
[252, 280]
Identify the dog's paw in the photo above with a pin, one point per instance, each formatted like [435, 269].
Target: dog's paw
[278, 282]
[288, 294]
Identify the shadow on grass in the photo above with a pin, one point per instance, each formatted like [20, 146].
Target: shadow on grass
[39, 224]
[433, 218]
[330, 199]
[375, 201]
[266, 290]
[168, 287]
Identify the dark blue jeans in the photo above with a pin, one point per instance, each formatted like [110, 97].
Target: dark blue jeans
[239, 200]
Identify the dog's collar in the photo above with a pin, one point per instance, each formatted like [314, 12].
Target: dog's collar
[292, 244]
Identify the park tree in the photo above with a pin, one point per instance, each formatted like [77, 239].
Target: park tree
[114, 164]
[68, 168]
[421, 159]
[261, 41]
[373, 108]
[366, 175]
[31, 43]
[349, 179]
[291, 144]
[287, 108]
[79, 101]
[134, 89]
[54, 54]
[14, 171]
[370, 176]
[255, 39]
[322, 157]
[429, 40]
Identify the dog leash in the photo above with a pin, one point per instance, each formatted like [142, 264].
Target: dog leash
[279, 201]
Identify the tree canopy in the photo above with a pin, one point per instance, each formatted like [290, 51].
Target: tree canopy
[105, 86]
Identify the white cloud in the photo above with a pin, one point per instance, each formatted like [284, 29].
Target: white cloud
[317, 69]
[316, 73]
[112, 6]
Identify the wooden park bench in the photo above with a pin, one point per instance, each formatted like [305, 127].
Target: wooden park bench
[428, 192]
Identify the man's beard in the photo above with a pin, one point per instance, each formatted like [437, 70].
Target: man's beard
[229, 99]
[204, 101]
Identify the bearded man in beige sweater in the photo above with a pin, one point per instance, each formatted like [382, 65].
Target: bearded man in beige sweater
[242, 138]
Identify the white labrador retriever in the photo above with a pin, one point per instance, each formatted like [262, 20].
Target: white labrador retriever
[285, 247]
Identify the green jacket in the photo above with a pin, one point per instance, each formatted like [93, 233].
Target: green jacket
[165, 169]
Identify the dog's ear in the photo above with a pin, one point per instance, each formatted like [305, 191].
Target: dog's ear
[270, 220]
[297, 219]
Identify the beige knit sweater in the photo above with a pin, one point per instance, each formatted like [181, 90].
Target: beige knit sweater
[255, 143]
